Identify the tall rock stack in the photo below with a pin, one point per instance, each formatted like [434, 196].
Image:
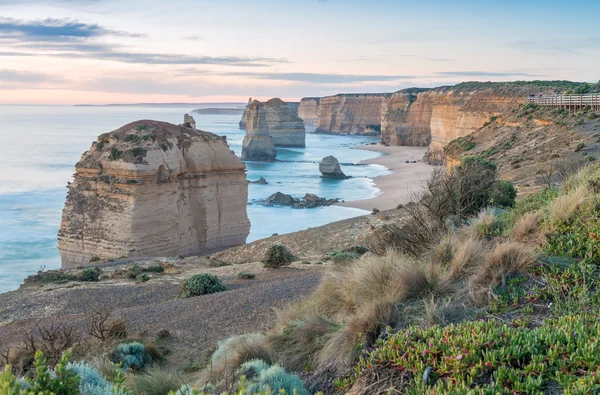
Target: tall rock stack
[258, 144]
[285, 127]
[244, 120]
[154, 189]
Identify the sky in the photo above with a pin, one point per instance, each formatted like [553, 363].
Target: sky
[133, 51]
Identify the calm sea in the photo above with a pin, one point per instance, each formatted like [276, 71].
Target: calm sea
[41, 144]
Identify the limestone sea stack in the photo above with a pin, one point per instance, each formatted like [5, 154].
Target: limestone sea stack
[154, 189]
[244, 120]
[258, 144]
[330, 168]
[285, 127]
[189, 121]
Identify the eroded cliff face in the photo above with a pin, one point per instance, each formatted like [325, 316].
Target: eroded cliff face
[154, 189]
[244, 120]
[437, 116]
[352, 113]
[283, 124]
[258, 144]
[308, 110]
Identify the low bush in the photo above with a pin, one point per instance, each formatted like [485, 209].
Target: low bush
[489, 357]
[132, 356]
[155, 269]
[235, 351]
[201, 284]
[342, 256]
[277, 255]
[246, 275]
[134, 270]
[93, 382]
[142, 278]
[504, 194]
[90, 274]
[263, 378]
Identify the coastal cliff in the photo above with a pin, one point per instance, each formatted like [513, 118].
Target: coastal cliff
[152, 188]
[244, 120]
[352, 113]
[258, 144]
[284, 126]
[308, 110]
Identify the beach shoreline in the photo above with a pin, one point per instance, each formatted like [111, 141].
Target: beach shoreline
[405, 179]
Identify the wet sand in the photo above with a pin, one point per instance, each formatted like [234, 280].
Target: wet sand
[405, 180]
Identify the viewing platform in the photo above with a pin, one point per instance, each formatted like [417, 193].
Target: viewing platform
[569, 102]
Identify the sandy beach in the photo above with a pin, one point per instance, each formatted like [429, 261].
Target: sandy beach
[405, 179]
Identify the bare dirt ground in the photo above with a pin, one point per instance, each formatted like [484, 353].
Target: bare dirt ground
[196, 324]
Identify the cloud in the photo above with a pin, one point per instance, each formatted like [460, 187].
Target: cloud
[485, 74]
[318, 78]
[53, 29]
[20, 79]
[68, 38]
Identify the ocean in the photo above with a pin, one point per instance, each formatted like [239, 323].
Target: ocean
[41, 144]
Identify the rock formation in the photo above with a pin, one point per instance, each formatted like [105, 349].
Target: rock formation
[285, 127]
[244, 120]
[260, 181]
[258, 144]
[154, 189]
[309, 200]
[352, 113]
[308, 110]
[330, 168]
[189, 122]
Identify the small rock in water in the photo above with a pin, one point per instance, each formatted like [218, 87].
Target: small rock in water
[281, 199]
[330, 168]
[260, 181]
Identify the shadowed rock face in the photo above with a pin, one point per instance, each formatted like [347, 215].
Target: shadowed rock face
[154, 189]
[285, 127]
[244, 120]
[330, 168]
[258, 144]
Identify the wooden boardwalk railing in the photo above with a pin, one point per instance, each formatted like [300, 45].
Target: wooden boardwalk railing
[569, 102]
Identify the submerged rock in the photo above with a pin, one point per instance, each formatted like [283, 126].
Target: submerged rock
[260, 181]
[154, 189]
[308, 201]
[330, 168]
[258, 144]
[281, 199]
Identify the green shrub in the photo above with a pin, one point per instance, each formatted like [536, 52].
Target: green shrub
[90, 274]
[142, 278]
[115, 154]
[60, 381]
[305, 263]
[156, 269]
[91, 382]
[201, 284]
[343, 256]
[263, 377]
[131, 355]
[493, 357]
[504, 194]
[134, 270]
[246, 275]
[580, 145]
[277, 255]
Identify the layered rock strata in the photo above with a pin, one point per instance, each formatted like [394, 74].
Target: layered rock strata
[308, 110]
[154, 189]
[352, 113]
[244, 120]
[258, 144]
[284, 125]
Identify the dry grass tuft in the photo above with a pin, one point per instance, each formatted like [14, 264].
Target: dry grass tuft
[469, 255]
[157, 381]
[505, 259]
[443, 251]
[362, 329]
[527, 227]
[301, 339]
[563, 207]
[442, 312]
[233, 352]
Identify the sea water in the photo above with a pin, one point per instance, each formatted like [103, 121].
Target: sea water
[41, 144]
